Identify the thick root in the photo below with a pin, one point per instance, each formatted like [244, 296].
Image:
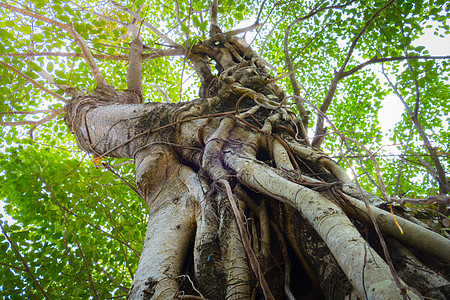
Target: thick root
[370, 277]
[171, 223]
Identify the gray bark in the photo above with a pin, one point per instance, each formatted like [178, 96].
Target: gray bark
[242, 134]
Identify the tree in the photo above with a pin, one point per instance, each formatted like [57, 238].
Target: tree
[242, 203]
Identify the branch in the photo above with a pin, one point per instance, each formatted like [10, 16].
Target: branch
[317, 141]
[12, 267]
[109, 19]
[38, 85]
[401, 164]
[121, 287]
[16, 90]
[255, 25]
[155, 53]
[263, 46]
[242, 30]
[177, 6]
[421, 162]
[145, 23]
[442, 178]
[214, 22]
[47, 118]
[380, 60]
[133, 188]
[287, 56]
[166, 97]
[77, 38]
[134, 80]
[25, 264]
[98, 56]
[358, 36]
[32, 112]
[291, 70]
[91, 281]
[131, 27]
[444, 200]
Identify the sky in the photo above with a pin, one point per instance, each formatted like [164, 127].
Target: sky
[392, 108]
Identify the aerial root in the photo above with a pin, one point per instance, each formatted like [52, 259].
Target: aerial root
[234, 254]
[370, 277]
[262, 244]
[283, 158]
[287, 261]
[183, 296]
[414, 271]
[292, 236]
[414, 235]
[211, 160]
[310, 154]
[208, 266]
[246, 242]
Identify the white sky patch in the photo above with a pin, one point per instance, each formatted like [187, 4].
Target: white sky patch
[437, 46]
[392, 108]
[5, 217]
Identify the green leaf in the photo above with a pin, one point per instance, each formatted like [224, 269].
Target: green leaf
[60, 74]
[39, 38]
[34, 66]
[420, 48]
[50, 67]
[184, 28]
[4, 247]
[195, 21]
[203, 25]
[240, 7]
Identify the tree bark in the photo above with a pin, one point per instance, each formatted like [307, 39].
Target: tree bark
[290, 198]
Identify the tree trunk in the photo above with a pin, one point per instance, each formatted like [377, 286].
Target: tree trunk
[241, 207]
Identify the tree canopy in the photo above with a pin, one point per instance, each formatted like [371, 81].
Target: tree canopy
[79, 223]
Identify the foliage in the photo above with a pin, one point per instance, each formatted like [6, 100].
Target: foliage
[318, 46]
[69, 215]
[80, 230]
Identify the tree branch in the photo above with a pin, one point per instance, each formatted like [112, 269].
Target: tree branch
[145, 23]
[32, 112]
[421, 162]
[109, 19]
[287, 56]
[381, 60]
[159, 89]
[214, 23]
[401, 165]
[444, 200]
[25, 264]
[47, 118]
[12, 267]
[358, 36]
[442, 178]
[38, 85]
[319, 131]
[291, 70]
[177, 6]
[155, 53]
[134, 80]
[77, 38]
[98, 56]
[242, 30]
[91, 281]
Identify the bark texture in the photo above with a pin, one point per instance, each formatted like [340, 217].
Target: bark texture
[241, 207]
